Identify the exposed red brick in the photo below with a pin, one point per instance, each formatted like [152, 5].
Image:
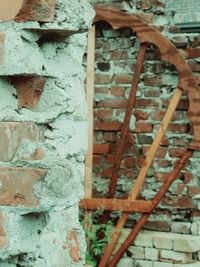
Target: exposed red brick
[29, 90]
[107, 126]
[39, 10]
[128, 173]
[109, 137]
[140, 162]
[183, 104]
[179, 202]
[152, 92]
[161, 176]
[103, 114]
[111, 159]
[143, 127]
[141, 115]
[174, 29]
[128, 162]
[113, 103]
[101, 90]
[176, 152]
[185, 203]
[18, 186]
[188, 177]
[96, 159]
[163, 163]
[165, 141]
[123, 79]
[117, 91]
[179, 141]
[158, 115]
[161, 152]
[146, 103]
[98, 137]
[153, 55]
[178, 128]
[107, 172]
[153, 80]
[180, 189]
[101, 148]
[103, 79]
[119, 55]
[12, 134]
[193, 52]
[193, 190]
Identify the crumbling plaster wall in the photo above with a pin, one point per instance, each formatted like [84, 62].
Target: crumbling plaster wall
[116, 53]
[43, 131]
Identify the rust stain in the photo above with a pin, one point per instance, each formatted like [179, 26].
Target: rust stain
[73, 245]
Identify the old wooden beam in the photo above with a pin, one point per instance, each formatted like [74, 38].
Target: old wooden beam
[90, 99]
[124, 205]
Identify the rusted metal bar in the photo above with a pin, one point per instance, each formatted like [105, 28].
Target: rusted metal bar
[125, 127]
[131, 237]
[140, 206]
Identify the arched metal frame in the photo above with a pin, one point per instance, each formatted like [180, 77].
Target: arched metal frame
[146, 34]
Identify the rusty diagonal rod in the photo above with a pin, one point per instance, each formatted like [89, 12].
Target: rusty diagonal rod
[131, 237]
[127, 118]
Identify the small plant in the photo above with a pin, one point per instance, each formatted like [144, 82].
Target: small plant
[97, 235]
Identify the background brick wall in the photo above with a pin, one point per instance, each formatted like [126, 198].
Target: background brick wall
[116, 53]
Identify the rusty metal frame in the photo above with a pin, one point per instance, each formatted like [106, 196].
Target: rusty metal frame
[146, 34]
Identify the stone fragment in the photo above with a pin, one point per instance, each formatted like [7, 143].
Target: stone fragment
[162, 264]
[191, 264]
[181, 227]
[137, 252]
[21, 11]
[151, 254]
[13, 133]
[128, 262]
[187, 244]
[195, 228]
[144, 263]
[175, 256]
[29, 90]
[163, 242]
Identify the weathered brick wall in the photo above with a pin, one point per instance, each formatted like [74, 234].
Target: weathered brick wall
[116, 53]
[43, 131]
